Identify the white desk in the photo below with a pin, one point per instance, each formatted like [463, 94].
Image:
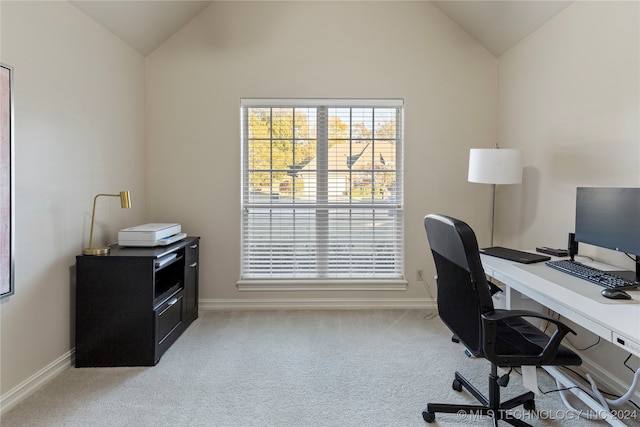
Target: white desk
[617, 321]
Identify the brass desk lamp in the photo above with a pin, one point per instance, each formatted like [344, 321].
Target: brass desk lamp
[125, 202]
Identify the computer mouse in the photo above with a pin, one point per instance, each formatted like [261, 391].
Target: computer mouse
[615, 294]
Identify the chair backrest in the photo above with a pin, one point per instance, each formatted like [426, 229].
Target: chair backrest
[463, 291]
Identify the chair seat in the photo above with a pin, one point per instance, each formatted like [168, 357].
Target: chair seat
[518, 336]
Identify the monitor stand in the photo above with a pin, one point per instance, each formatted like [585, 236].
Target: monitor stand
[628, 274]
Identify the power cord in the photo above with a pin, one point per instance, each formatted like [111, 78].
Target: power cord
[625, 363]
[599, 395]
[595, 392]
[428, 289]
[425, 283]
[584, 348]
[558, 318]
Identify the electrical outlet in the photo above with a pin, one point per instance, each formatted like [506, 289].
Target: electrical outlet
[420, 275]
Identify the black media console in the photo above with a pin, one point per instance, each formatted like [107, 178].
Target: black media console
[133, 303]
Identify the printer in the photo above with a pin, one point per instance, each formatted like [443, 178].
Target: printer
[152, 234]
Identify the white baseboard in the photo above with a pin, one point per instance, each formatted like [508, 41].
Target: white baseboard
[316, 303]
[35, 381]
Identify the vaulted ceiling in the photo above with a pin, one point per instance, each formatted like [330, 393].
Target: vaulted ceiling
[496, 24]
[500, 25]
[143, 24]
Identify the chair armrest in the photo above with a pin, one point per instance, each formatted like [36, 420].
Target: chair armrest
[493, 288]
[547, 354]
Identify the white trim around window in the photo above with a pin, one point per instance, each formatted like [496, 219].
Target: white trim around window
[322, 194]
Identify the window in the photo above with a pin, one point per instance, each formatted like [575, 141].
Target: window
[322, 189]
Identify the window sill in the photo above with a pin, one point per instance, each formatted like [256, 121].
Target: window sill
[322, 285]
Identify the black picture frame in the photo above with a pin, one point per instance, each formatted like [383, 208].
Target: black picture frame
[7, 223]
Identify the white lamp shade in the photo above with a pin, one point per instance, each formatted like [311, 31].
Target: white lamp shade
[495, 165]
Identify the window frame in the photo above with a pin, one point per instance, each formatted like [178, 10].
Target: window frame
[395, 281]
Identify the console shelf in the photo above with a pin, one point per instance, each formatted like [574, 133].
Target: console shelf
[133, 303]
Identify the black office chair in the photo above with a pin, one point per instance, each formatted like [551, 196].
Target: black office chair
[502, 337]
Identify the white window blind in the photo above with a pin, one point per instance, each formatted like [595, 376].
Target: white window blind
[322, 189]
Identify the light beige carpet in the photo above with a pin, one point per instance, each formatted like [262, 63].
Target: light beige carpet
[283, 368]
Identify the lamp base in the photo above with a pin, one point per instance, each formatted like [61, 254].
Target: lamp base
[96, 251]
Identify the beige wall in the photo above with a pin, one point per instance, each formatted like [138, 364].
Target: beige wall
[570, 97]
[79, 128]
[406, 50]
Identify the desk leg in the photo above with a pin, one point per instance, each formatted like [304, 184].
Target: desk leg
[584, 396]
[514, 299]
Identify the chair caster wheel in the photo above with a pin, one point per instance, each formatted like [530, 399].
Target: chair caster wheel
[530, 405]
[428, 416]
[457, 385]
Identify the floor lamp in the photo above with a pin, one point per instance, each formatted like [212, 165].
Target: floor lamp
[495, 166]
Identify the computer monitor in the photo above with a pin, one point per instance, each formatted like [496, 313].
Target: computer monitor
[610, 218]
